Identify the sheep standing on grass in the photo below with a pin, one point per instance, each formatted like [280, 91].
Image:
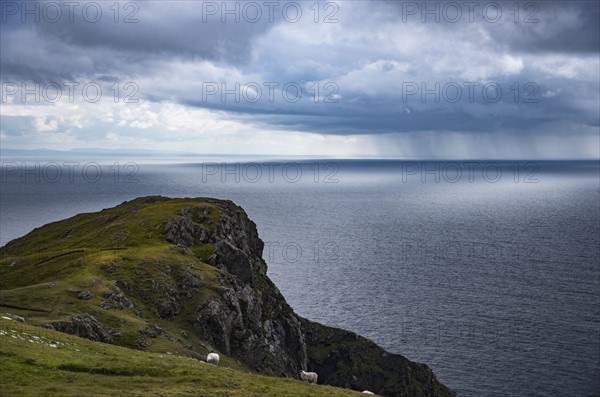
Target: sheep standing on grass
[310, 377]
[212, 358]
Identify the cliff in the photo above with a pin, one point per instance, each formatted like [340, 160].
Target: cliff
[186, 276]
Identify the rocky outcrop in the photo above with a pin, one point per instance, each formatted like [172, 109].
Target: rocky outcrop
[345, 359]
[115, 298]
[151, 331]
[84, 295]
[186, 230]
[84, 326]
[258, 328]
[249, 319]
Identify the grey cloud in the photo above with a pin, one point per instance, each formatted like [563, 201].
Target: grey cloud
[376, 114]
[171, 32]
[567, 27]
[164, 30]
[531, 26]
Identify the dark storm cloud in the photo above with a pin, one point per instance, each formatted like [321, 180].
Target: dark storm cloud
[161, 29]
[387, 113]
[157, 31]
[174, 48]
[553, 26]
[562, 26]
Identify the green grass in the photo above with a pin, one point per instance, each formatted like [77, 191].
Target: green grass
[42, 273]
[79, 367]
[131, 224]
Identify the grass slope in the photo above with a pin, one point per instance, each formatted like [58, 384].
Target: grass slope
[38, 362]
[42, 273]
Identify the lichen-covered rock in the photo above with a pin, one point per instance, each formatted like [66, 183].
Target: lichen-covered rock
[167, 310]
[115, 298]
[191, 280]
[239, 231]
[237, 323]
[186, 230]
[151, 331]
[83, 325]
[232, 259]
[84, 295]
[180, 231]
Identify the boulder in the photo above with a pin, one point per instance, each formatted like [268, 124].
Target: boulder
[83, 325]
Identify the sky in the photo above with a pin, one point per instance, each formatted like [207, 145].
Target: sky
[465, 79]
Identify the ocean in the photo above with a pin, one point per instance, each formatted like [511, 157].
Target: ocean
[488, 271]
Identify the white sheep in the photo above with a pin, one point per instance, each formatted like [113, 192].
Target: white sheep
[310, 377]
[212, 358]
[368, 392]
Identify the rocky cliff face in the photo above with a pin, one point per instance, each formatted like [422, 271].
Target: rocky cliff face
[190, 272]
[249, 318]
[345, 359]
